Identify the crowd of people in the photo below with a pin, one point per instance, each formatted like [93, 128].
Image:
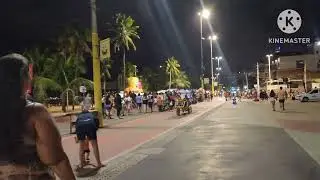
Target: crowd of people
[114, 103]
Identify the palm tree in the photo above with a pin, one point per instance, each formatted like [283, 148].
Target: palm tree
[172, 68]
[65, 75]
[182, 80]
[131, 69]
[73, 45]
[42, 80]
[125, 32]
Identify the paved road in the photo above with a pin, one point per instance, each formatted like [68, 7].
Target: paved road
[242, 142]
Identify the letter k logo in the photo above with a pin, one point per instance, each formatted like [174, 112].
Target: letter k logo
[289, 21]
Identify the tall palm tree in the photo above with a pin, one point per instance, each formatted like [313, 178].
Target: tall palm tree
[131, 69]
[74, 43]
[172, 68]
[182, 80]
[125, 31]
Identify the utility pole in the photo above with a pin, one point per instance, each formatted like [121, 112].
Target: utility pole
[269, 63]
[211, 58]
[258, 81]
[305, 75]
[246, 74]
[201, 46]
[96, 62]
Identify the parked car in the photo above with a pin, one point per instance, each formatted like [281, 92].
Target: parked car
[313, 95]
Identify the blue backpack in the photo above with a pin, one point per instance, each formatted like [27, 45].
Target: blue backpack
[85, 119]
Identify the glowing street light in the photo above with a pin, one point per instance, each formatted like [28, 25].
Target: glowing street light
[269, 59]
[318, 43]
[204, 14]
[212, 38]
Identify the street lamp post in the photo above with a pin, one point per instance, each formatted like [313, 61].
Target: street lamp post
[218, 68]
[96, 62]
[258, 81]
[203, 14]
[212, 38]
[269, 62]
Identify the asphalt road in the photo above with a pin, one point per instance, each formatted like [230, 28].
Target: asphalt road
[242, 142]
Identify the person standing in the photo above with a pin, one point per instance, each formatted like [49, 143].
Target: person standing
[108, 106]
[150, 101]
[118, 104]
[272, 97]
[87, 102]
[31, 145]
[282, 97]
[139, 102]
[86, 129]
[145, 101]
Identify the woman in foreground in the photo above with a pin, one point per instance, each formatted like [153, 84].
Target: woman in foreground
[31, 146]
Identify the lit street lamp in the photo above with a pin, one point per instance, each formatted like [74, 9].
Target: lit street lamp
[318, 43]
[205, 13]
[212, 38]
[269, 59]
[218, 68]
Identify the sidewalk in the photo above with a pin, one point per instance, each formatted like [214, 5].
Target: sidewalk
[119, 138]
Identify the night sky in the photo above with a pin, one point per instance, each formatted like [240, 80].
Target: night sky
[168, 27]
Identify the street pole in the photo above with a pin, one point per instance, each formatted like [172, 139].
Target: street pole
[305, 75]
[170, 80]
[212, 83]
[258, 81]
[269, 68]
[135, 71]
[201, 77]
[96, 62]
[269, 63]
[247, 80]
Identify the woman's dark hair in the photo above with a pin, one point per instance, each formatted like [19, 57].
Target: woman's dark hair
[272, 93]
[13, 73]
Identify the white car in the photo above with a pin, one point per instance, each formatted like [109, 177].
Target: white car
[313, 95]
[299, 96]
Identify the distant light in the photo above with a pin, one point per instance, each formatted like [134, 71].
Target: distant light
[318, 43]
[213, 37]
[205, 13]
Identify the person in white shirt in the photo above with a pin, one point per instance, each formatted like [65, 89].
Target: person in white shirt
[87, 103]
[128, 101]
[139, 101]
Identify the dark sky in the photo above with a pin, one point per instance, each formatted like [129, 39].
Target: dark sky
[168, 27]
